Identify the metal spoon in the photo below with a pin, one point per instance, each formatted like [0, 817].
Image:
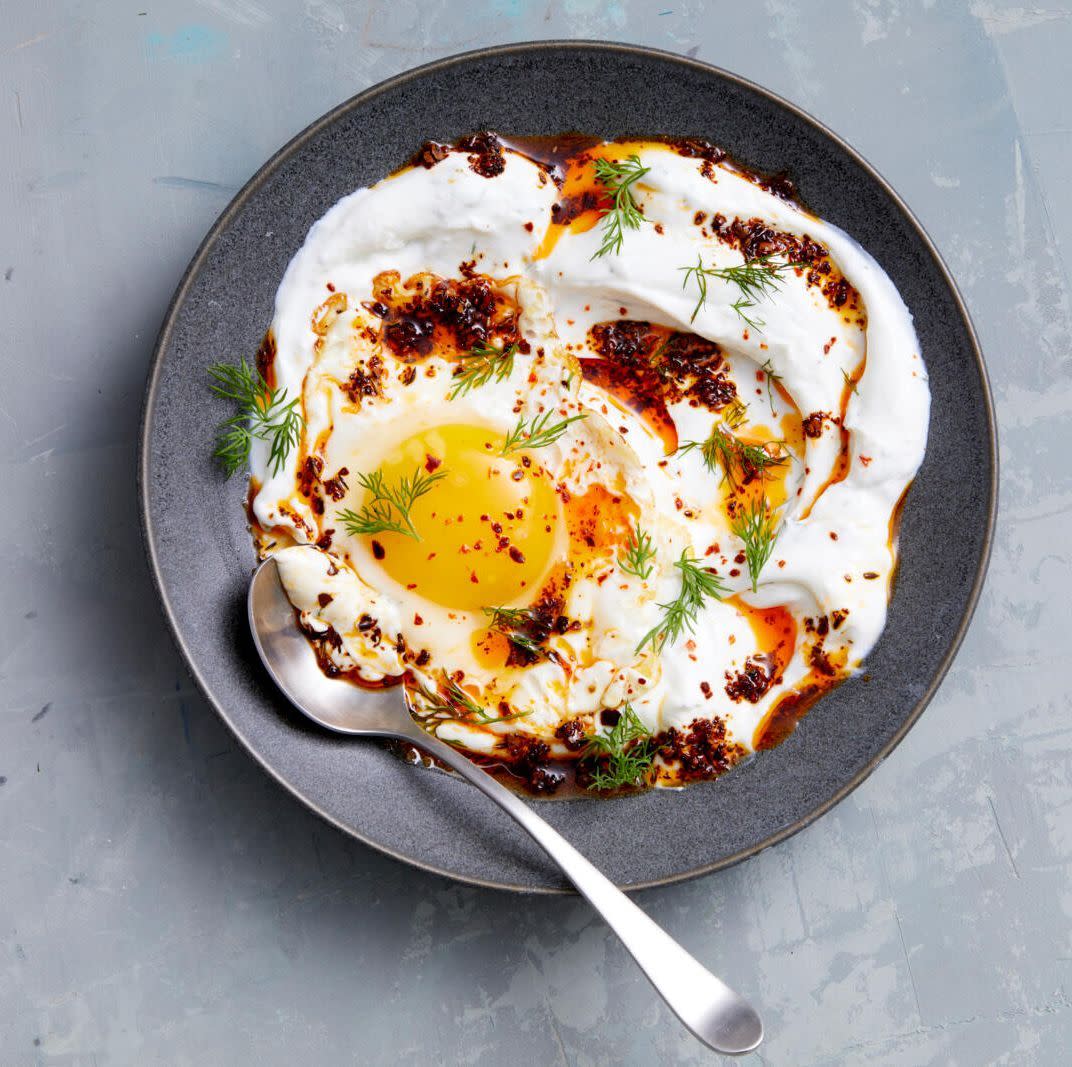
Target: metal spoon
[707, 1006]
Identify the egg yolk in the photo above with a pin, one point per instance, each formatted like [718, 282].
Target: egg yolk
[488, 528]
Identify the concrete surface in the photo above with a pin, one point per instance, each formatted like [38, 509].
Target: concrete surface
[161, 902]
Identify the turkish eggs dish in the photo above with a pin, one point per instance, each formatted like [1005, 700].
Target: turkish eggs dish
[597, 450]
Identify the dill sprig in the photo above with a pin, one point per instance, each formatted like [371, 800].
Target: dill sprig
[755, 278]
[480, 365]
[850, 381]
[638, 554]
[737, 460]
[537, 431]
[773, 379]
[735, 413]
[756, 524]
[624, 754]
[389, 509]
[263, 413]
[456, 700]
[741, 306]
[679, 615]
[618, 179]
[516, 625]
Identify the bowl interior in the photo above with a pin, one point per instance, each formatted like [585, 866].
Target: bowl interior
[202, 556]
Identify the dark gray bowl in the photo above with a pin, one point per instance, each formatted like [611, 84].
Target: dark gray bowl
[202, 558]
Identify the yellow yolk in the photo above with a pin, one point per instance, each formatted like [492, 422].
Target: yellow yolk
[488, 529]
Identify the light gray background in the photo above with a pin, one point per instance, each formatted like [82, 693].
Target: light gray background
[162, 902]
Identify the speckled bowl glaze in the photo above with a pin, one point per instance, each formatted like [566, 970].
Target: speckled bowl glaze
[201, 554]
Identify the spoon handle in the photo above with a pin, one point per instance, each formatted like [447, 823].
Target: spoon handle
[718, 1016]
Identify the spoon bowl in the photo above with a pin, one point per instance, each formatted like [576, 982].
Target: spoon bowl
[289, 658]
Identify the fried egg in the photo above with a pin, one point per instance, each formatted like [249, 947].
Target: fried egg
[554, 490]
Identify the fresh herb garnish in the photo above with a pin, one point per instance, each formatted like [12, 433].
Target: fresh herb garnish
[738, 461]
[755, 278]
[479, 366]
[772, 379]
[263, 413]
[624, 754]
[679, 615]
[518, 625]
[618, 178]
[735, 413]
[637, 556]
[757, 526]
[851, 382]
[389, 509]
[537, 432]
[457, 699]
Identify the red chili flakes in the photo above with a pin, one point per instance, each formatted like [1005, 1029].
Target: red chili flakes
[701, 752]
[409, 339]
[544, 781]
[754, 239]
[838, 292]
[336, 487]
[571, 207]
[695, 148]
[572, 734]
[820, 661]
[309, 475]
[528, 755]
[486, 153]
[265, 359]
[649, 369]
[751, 684]
[427, 310]
[429, 154]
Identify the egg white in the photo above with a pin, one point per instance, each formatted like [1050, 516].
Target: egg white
[432, 220]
